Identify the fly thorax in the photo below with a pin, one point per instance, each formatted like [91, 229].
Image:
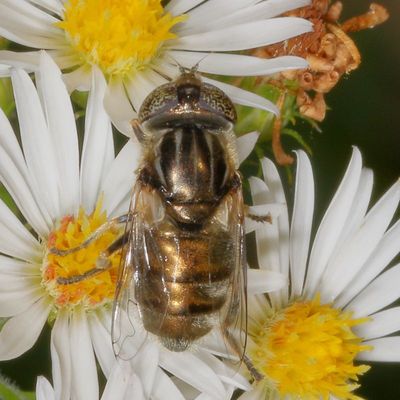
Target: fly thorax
[191, 168]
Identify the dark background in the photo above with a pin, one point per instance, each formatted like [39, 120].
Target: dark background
[365, 111]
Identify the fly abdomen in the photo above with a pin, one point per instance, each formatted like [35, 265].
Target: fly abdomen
[180, 296]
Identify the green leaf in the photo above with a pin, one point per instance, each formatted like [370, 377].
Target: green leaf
[8, 391]
[299, 139]
[7, 103]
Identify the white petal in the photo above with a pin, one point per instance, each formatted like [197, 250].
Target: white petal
[355, 252]
[245, 144]
[237, 64]
[52, 5]
[227, 375]
[211, 11]
[383, 291]
[244, 36]
[267, 240]
[101, 339]
[61, 356]
[28, 60]
[332, 223]
[29, 26]
[20, 333]
[300, 231]
[165, 389]
[261, 281]
[177, 7]
[145, 363]
[274, 183]
[381, 324]
[36, 16]
[65, 58]
[94, 151]
[16, 186]
[385, 251]
[274, 210]
[14, 267]
[182, 366]
[78, 79]
[262, 10]
[37, 143]
[61, 122]
[384, 349]
[118, 107]
[258, 393]
[44, 390]
[358, 208]
[140, 86]
[120, 178]
[15, 239]
[118, 381]
[14, 302]
[244, 97]
[18, 181]
[134, 390]
[84, 373]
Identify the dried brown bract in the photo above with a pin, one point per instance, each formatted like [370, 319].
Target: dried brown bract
[329, 50]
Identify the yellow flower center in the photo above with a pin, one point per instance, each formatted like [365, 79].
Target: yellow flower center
[119, 36]
[307, 351]
[93, 290]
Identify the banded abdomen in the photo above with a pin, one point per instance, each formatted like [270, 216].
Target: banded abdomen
[183, 283]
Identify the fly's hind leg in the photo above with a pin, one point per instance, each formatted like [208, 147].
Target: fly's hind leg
[235, 346]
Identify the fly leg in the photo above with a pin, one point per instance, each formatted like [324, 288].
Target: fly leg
[258, 218]
[235, 346]
[112, 223]
[103, 262]
[137, 129]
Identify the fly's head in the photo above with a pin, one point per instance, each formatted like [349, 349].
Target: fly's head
[187, 100]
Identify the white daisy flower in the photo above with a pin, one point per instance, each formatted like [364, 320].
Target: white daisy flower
[309, 340]
[63, 201]
[137, 44]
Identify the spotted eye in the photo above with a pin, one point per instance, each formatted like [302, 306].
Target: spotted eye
[161, 99]
[216, 101]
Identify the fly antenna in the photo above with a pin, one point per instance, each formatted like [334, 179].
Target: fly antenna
[182, 69]
[196, 66]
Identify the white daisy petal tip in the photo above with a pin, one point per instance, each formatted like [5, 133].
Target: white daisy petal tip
[245, 145]
[264, 281]
[44, 390]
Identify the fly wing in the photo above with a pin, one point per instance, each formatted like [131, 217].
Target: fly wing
[233, 316]
[127, 334]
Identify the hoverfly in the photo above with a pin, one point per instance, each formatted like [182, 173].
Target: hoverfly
[182, 261]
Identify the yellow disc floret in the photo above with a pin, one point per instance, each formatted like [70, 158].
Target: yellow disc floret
[94, 290]
[119, 36]
[307, 351]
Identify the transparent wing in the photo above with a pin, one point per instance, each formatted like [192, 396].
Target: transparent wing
[127, 334]
[233, 316]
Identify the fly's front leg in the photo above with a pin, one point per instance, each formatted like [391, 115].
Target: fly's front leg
[102, 264]
[112, 223]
